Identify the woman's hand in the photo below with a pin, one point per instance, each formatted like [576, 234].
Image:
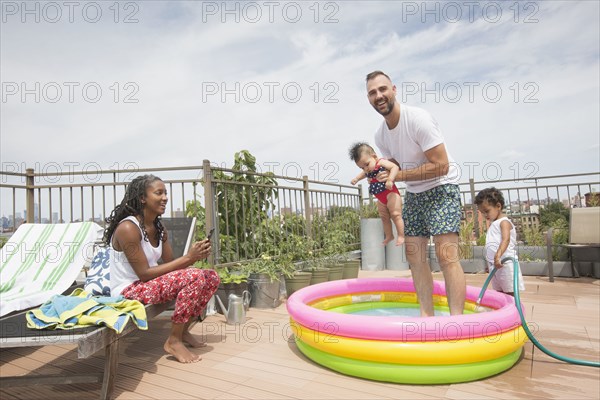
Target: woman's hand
[199, 250]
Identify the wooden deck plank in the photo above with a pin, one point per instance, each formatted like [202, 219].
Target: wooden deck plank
[257, 360]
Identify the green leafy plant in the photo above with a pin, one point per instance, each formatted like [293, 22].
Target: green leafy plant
[465, 244]
[369, 210]
[533, 236]
[246, 197]
[237, 276]
[271, 266]
[480, 240]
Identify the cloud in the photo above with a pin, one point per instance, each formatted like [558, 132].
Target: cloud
[196, 80]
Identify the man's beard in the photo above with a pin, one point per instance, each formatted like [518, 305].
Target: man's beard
[390, 106]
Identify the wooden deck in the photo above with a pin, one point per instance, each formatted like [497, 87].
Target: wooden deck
[259, 361]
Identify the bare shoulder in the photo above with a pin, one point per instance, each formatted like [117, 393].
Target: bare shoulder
[127, 231]
[506, 224]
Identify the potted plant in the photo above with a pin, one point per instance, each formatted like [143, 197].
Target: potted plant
[235, 282]
[264, 278]
[294, 250]
[334, 250]
[468, 262]
[319, 273]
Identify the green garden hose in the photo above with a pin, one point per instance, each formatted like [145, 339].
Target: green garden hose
[524, 323]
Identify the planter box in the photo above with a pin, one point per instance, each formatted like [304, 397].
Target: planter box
[473, 266]
[540, 268]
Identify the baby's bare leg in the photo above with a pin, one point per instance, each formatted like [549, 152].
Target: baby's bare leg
[387, 224]
[394, 207]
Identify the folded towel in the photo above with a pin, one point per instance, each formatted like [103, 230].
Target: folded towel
[81, 309]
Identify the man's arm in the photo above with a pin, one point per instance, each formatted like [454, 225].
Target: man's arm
[436, 165]
[392, 168]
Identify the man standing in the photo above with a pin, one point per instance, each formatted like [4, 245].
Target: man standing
[410, 136]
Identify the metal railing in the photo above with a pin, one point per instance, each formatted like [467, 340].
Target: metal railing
[525, 196]
[235, 202]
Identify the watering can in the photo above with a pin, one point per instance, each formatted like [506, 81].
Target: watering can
[236, 313]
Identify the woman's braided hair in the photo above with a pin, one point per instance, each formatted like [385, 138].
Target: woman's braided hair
[132, 205]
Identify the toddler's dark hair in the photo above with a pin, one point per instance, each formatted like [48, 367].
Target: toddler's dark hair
[492, 195]
[358, 149]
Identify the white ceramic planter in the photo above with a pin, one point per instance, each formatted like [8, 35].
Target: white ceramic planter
[371, 236]
[395, 256]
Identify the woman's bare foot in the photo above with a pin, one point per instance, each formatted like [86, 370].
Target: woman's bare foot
[178, 350]
[400, 240]
[191, 340]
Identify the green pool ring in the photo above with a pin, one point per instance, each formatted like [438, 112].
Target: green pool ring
[411, 374]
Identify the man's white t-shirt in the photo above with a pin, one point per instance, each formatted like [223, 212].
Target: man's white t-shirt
[416, 132]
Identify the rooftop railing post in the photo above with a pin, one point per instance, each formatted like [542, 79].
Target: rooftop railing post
[209, 209]
[360, 197]
[549, 255]
[474, 207]
[30, 196]
[307, 207]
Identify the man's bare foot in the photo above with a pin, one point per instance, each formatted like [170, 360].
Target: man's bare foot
[400, 240]
[178, 350]
[387, 240]
[191, 340]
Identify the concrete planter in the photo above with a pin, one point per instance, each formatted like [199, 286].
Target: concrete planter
[371, 236]
[540, 268]
[297, 281]
[336, 271]
[395, 256]
[318, 275]
[473, 266]
[351, 268]
[433, 261]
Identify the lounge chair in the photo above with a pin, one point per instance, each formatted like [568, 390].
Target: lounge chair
[41, 260]
[14, 331]
[584, 239]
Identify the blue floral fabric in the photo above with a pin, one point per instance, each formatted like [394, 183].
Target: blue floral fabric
[98, 279]
[433, 212]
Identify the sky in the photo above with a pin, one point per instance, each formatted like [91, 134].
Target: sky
[513, 85]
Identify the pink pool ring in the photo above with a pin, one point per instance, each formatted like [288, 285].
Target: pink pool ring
[503, 317]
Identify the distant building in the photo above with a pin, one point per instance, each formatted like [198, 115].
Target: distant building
[523, 221]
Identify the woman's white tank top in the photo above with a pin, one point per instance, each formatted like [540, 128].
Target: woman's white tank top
[121, 271]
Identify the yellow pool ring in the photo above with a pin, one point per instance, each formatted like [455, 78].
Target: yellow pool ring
[417, 353]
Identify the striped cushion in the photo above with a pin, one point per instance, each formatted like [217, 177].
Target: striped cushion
[41, 260]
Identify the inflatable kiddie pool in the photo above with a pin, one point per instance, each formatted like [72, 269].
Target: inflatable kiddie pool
[360, 327]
